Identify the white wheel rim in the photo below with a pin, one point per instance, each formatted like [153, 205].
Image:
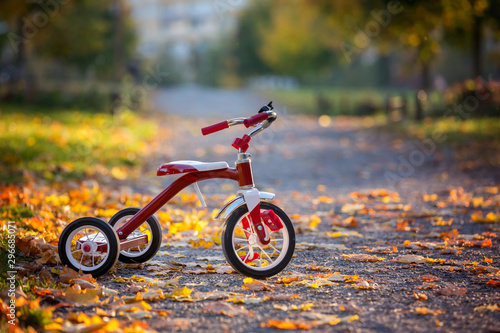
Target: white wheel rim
[91, 236]
[144, 229]
[267, 260]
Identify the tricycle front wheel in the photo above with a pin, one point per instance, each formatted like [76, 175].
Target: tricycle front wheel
[89, 244]
[243, 251]
[151, 228]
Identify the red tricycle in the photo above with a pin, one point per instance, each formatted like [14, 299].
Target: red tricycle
[258, 238]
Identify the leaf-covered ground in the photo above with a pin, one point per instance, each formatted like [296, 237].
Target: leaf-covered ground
[418, 254]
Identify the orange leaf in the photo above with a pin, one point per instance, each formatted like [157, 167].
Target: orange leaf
[484, 243]
[286, 325]
[494, 283]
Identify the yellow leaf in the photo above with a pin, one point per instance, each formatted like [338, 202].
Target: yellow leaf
[286, 325]
[321, 188]
[181, 292]
[314, 221]
[489, 308]
[434, 260]
[352, 318]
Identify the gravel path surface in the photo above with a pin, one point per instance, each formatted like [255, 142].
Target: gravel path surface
[372, 254]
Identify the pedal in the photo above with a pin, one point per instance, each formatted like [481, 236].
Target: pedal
[271, 220]
[248, 259]
[200, 196]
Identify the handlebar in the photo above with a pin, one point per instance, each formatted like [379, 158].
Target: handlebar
[265, 113]
[215, 128]
[255, 119]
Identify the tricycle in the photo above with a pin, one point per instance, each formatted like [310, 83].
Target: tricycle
[258, 239]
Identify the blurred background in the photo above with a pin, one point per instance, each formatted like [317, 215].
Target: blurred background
[325, 57]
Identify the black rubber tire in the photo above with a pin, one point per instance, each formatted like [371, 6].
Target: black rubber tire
[156, 234]
[231, 256]
[113, 245]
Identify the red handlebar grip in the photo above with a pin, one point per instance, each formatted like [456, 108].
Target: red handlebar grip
[215, 127]
[255, 119]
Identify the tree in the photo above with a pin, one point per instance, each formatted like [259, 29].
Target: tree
[244, 57]
[76, 34]
[291, 44]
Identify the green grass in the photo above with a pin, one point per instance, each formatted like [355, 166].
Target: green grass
[67, 144]
[454, 131]
[341, 101]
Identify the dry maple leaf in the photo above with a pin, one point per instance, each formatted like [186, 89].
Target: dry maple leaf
[293, 307]
[484, 243]
[286, 325]
[84, 284]
[420, 296]
[350, 222]
[180, 294]
[410, 259]
[451, 290]
[68, 275]
[226, 309]
[254, 285]
[82, 297]
[287, 280]
[493, 283]
[487, 308]
[427, 311]
[362, 257]
[383, 250]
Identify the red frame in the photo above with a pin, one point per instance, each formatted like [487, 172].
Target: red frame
[152, 207]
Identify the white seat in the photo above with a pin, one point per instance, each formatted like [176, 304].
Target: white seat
[203, 166]
[177, 167]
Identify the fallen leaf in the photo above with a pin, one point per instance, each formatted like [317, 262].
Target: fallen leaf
[254, 285]
[493, 283]
[286, 325]
[226, 309]
[82, 297]
[293, 307]
[362, 257]
[487, 308]
[410, 259]
[69, 274]
[451, 290]
[420, 296]
[427, 311]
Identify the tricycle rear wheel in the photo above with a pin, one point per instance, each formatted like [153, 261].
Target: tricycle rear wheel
[151, 227]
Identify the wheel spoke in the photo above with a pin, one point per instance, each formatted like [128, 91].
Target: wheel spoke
[267, 255]
[274, 248]
[246, 257]
[241, 248]
[76, 251]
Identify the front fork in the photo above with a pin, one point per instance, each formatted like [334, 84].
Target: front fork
[252, 199]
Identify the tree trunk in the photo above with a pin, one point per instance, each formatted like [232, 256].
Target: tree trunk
[477, 41]
[17, 75]
[118, 56]
[426, 76]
